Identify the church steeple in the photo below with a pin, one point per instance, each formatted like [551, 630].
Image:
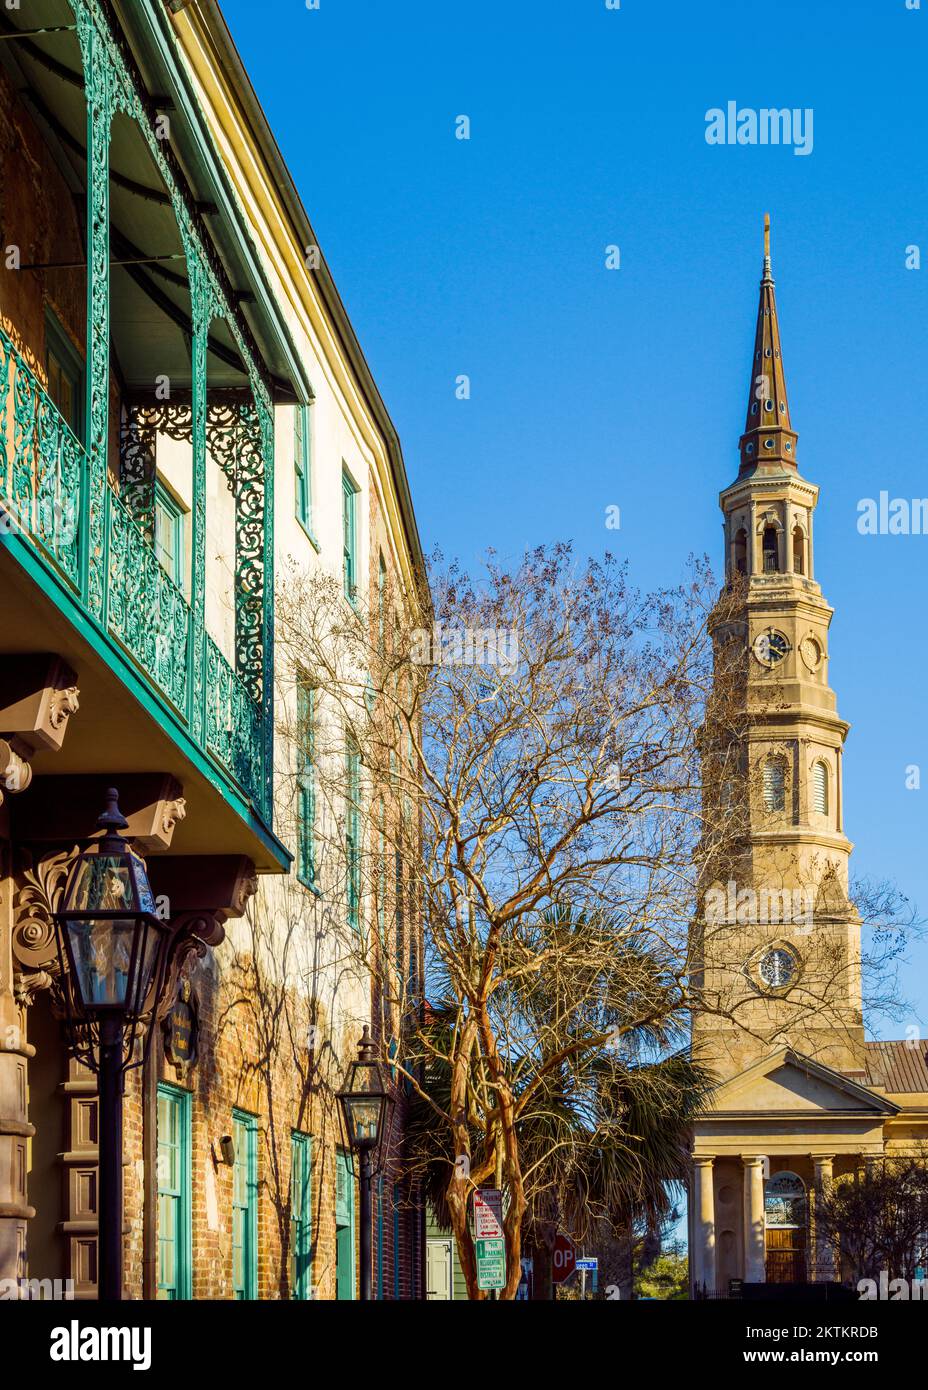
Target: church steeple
[769, 441]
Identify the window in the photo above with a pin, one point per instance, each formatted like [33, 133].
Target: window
[771, 550]
[169, 534]
[353, 832]
[65, 375]
[175, 1245]
[382, 874]
[300, 1217]
[820, 789]
[798, 551]
[741, 551]
[245, 1206]
[349, 536]
[302, 466]
[344, 1228]
[774, 785]
[306, 783]
[381, 598]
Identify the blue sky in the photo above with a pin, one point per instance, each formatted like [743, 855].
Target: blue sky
[593, 388]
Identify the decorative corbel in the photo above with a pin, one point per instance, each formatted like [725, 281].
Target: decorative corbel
[38, 695]
[15, 772]
[43, 882]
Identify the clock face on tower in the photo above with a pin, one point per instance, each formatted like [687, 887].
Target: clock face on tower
[770, 647]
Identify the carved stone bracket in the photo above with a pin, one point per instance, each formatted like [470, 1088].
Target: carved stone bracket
[38, 695]
[43, 883]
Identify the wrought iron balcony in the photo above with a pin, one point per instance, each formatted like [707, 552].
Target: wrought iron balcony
[44, 500]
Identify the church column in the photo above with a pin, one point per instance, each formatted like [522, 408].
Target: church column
[754, 1234]
[703, 1223]
[824, 1253]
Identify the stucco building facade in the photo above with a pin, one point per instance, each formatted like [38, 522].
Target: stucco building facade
[189, 430]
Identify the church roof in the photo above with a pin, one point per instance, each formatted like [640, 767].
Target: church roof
[769, 440]
[897, 1066]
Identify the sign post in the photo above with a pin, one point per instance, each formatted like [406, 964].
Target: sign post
[489, 1240]
[585, 1265]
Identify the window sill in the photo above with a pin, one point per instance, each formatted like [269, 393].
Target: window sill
[307, 531]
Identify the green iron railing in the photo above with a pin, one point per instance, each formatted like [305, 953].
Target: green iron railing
[43, 494]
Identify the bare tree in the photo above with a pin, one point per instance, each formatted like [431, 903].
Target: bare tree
[553, 742]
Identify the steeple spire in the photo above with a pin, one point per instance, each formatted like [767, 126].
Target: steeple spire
[769, 441]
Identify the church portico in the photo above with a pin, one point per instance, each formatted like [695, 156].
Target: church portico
[777, 1135]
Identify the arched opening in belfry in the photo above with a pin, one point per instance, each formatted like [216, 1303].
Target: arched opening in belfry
[799, 551]
[771, 548]
[741, 551]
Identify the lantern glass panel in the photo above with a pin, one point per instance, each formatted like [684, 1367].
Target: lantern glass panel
[364, 1118]
[101, 951]
[104, 883]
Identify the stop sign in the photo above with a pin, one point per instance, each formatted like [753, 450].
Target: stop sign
[563, 1259]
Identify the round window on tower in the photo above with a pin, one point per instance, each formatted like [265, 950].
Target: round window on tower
[778, 967]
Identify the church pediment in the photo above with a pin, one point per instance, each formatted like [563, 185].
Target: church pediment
[787, 1082]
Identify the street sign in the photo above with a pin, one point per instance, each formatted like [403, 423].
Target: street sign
[587, 1264]
[491, 1264]
[563, 1259]
[488, 1214]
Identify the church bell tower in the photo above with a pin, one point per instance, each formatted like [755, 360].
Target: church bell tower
[778, 944]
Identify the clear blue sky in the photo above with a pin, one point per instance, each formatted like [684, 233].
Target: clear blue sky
[592, 387]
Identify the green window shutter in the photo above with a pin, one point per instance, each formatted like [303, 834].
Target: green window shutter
[344, 1228]
[175, 1243]
[300, 1217]
[353, 832]
[65, 375]
[349, 537]
[245, 1206]
[302, 464]
[306, 783]
[169, 534]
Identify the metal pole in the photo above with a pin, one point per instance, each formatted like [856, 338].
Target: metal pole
[109, 1197]
[366, 1225]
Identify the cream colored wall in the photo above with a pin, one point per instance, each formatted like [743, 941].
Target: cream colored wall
[326, 963]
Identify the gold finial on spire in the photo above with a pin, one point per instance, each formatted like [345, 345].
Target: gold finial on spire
[767, 235]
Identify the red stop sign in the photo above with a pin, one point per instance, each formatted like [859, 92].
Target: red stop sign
[564, 1259]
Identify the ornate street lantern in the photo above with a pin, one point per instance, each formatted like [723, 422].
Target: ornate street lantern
[112, 951]
[366, 1108]
[366, 1101]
